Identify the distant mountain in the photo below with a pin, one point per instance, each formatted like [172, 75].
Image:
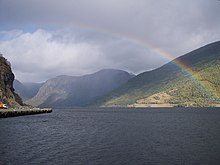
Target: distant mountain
[7, 94]
[172, 85]
[72, 91]
[26, 90]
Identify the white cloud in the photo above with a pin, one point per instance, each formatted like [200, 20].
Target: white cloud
[44, 54]
[35, 53]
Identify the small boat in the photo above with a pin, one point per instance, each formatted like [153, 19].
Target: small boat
[3, 106]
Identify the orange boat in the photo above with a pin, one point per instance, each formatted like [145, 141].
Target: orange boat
[3, 106]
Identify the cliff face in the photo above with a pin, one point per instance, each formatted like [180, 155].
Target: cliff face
[7, 94]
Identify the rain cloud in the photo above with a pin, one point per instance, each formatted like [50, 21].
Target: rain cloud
[46, 38]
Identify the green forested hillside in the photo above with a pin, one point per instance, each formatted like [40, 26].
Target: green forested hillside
[183, 88]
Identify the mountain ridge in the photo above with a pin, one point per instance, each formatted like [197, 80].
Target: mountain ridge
[70, 91]
[26, 90]
[163, 78]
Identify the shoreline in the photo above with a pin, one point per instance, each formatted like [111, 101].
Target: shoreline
[21, 112]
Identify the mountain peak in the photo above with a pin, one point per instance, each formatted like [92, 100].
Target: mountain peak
[190, 80]
[70, 91]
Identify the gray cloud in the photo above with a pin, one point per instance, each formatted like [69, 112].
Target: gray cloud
[91, 35]
[44, 54]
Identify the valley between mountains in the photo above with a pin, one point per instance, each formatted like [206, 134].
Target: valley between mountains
[192, 80]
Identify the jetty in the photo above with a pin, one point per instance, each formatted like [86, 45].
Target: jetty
[20, 112]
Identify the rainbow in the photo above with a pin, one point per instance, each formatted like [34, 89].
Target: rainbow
[185, 68]
[193, 74]
[141, 42]
[176, 61]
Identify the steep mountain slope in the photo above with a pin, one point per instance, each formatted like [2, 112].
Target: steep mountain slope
[7, 94]
[183, 88]
[26, 90]
[69, 91]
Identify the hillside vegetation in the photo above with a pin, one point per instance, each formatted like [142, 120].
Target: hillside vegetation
[182, 89]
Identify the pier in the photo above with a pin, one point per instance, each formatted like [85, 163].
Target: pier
[20, 112]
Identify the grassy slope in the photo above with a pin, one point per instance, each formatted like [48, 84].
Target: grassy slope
[188, 92]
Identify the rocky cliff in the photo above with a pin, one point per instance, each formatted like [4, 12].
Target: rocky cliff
[7, 94]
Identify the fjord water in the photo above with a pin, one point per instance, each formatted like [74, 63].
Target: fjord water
[113, 136]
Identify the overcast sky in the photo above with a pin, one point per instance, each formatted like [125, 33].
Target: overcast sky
[46, 38]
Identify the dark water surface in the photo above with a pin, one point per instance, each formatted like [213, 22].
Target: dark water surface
[113, 136]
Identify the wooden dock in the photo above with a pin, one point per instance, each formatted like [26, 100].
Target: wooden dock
[20, 112]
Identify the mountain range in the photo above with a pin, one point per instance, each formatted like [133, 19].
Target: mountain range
[77, 91]
[26, 90]
[190, 80]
